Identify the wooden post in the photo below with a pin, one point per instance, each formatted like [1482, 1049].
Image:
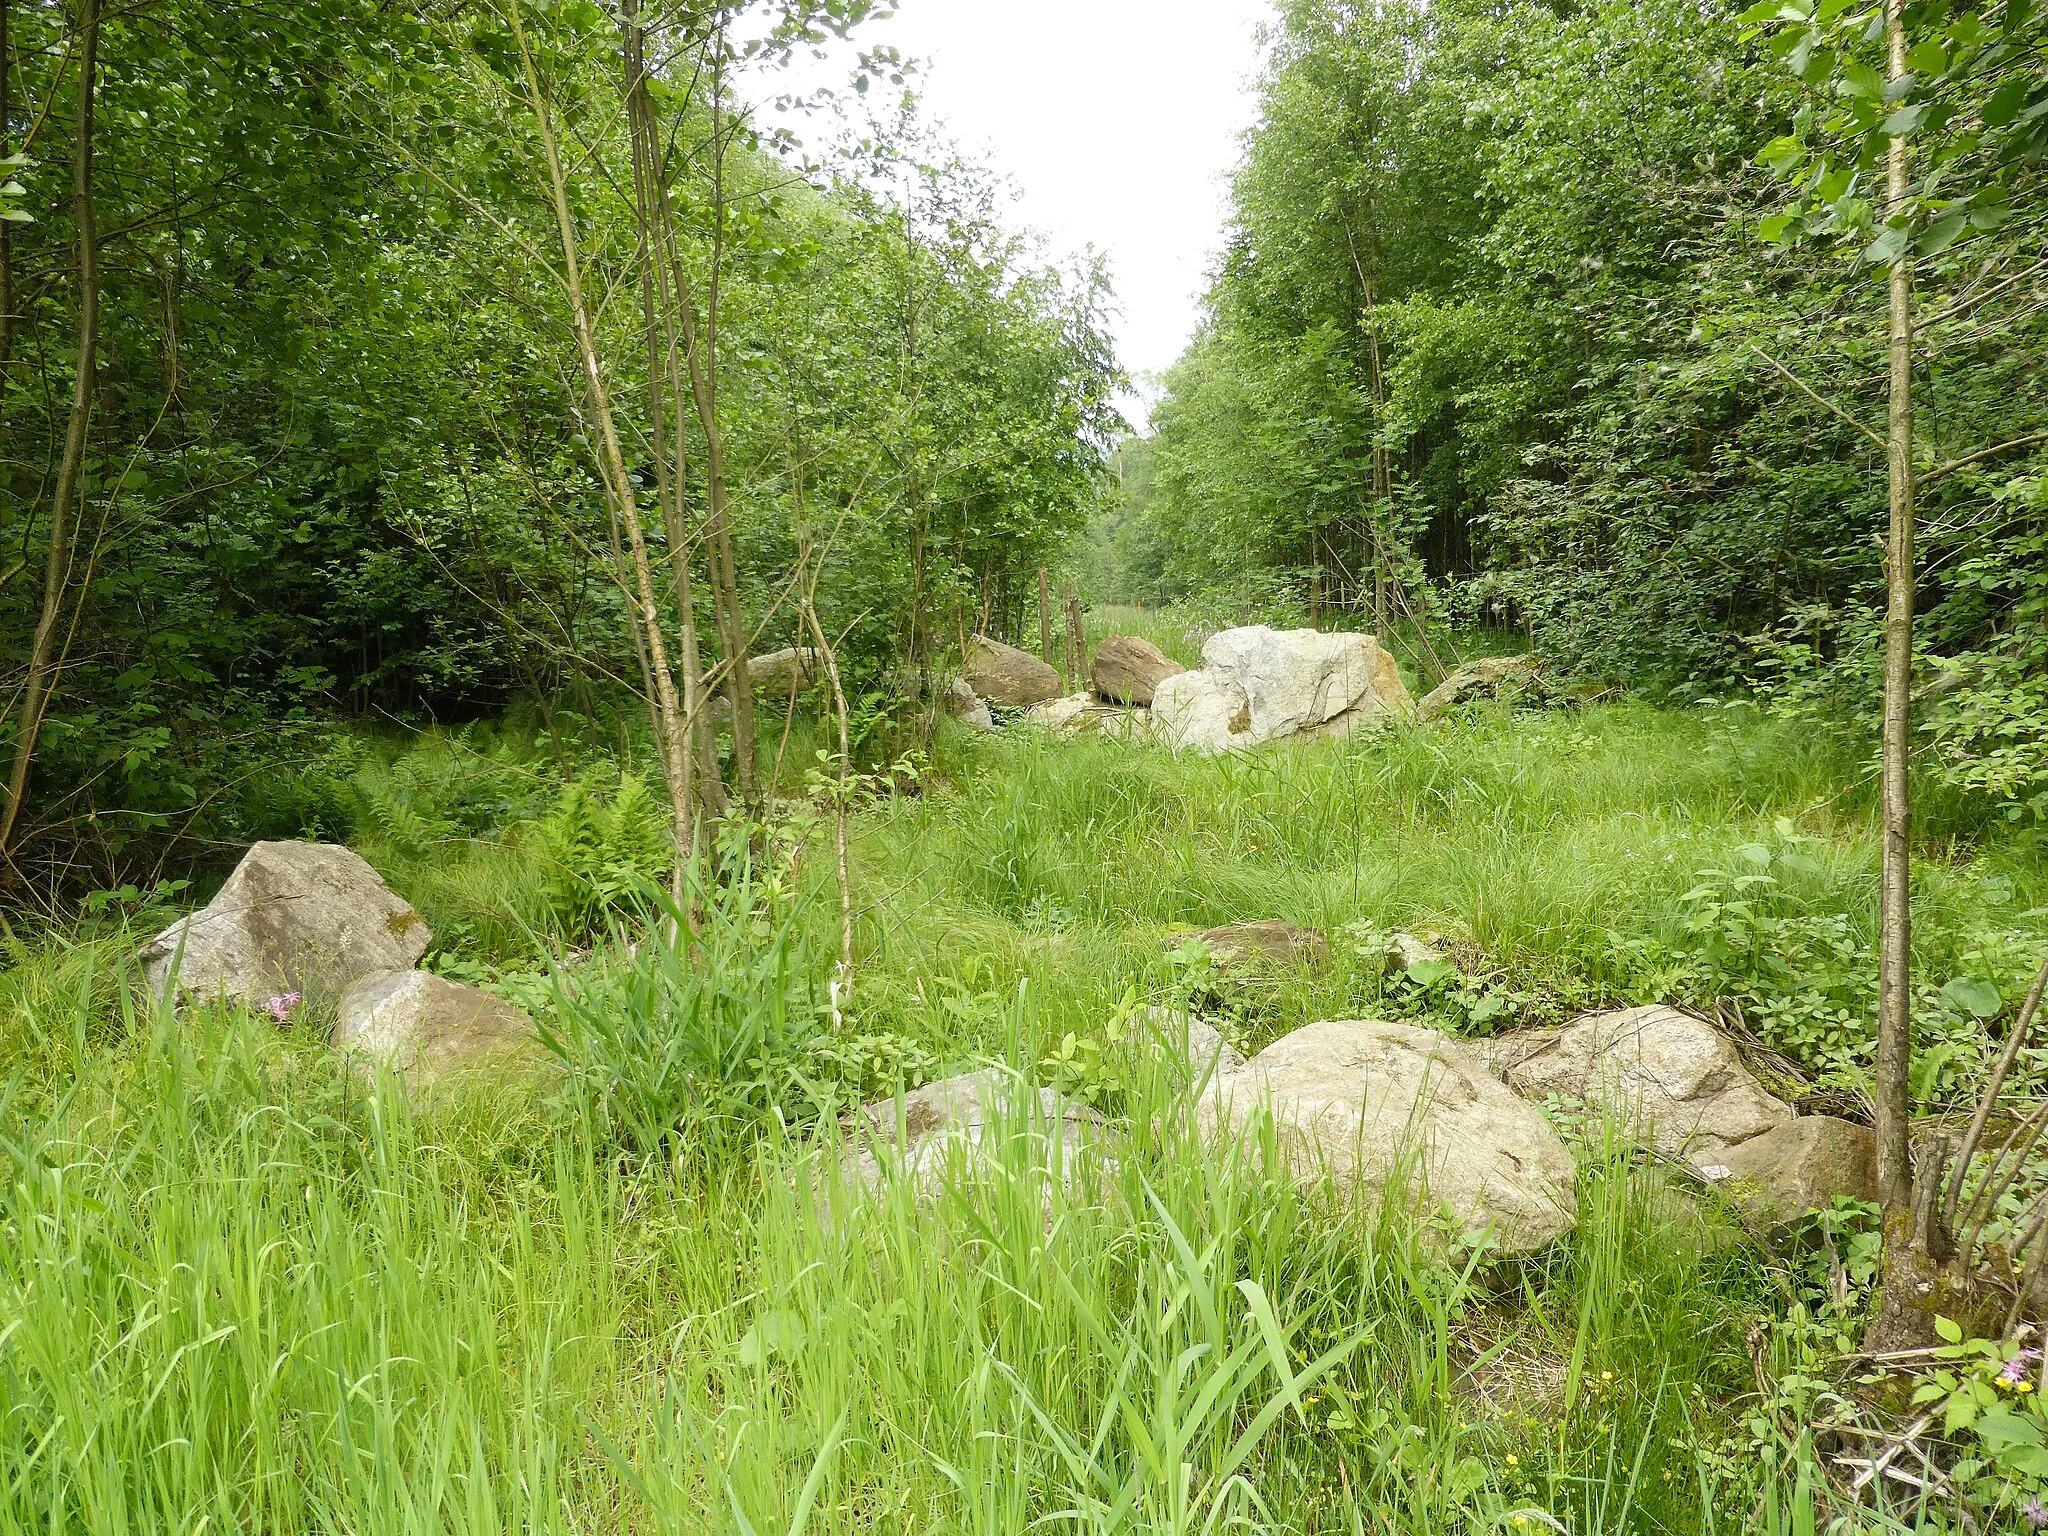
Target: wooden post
[1045, 620]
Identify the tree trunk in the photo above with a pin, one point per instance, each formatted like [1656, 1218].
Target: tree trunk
[1894, 1015]
[6, 236]
[611, 461]
[699, 789]
[57, 560]
[1045, 620]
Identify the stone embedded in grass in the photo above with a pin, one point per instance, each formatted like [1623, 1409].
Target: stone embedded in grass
[1128, 670]
[1273, 942]
[1191, 1037]
[1079, 712]
[423, 1023]
[1375, 1105]
[967, 706]
[1004, 675]
[1675, 1080]
[954, 1124]
[1800, 1166]
[1057, 715]
[1481, 679]
[308, 918]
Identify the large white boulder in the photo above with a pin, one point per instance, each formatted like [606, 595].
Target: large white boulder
[1376, 1104]
[1258, 684]
[305, 918]
[423, 1023]
[1674, 1080]
[1202, 712]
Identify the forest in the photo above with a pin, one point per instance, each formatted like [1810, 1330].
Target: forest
[662, 869]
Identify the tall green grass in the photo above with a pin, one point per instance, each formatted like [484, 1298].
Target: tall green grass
[244, 1287]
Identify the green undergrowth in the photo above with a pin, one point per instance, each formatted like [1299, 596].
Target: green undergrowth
[242, 1285]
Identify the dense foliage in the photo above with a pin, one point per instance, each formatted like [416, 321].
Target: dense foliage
[1542, 260]
[337, 458]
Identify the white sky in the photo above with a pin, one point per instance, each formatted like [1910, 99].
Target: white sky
[1116, 119]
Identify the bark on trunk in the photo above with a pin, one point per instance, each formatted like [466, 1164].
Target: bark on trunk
[57, 561]
[1894, 1020]
[6, 236]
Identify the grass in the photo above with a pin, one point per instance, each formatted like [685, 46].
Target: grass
[243, 1287]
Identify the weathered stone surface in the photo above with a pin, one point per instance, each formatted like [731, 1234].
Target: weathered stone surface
[423, 1023]
[951, 1123]
[1202, 712]
[1797, 1167]
[780, 674]
[1378, 1105]
[1059, 715]
[1476, 679]
[967, 706]
[310, 918]
[1405, 951]
[1200, 1043]
[1128, 670]
[1258, 685]
[1004, 675]
[1275, 941]
[1678, 1080]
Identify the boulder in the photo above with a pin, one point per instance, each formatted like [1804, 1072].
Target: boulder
[1274, 941]
[1059, 715]
[1202, 712]
[1797, 1167]
[1405, 952]
[1201, 1044]
[967, 706]
[781, 674]
[1476, 679]
[1259, 685]
[1676, 1079]
[918, 1135]
[1378, 1104]
[305, 918]
[1004, 675]
[1127, 670]
[423, 1023]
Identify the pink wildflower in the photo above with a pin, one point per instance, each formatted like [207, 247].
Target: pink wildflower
[2035, 1513]
[281, 1007]
[2017, 1367]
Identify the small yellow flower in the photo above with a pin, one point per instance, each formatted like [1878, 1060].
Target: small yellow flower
[1512, 1461]
[2026, 1386]
[1607, 1375]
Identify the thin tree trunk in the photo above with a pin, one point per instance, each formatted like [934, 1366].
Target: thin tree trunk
[1045, 619]
[649, 205]
[1894, 1016]
[57, 561]
[6, 236]
[611, 460]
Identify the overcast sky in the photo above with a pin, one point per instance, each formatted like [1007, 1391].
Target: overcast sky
[1116, 119]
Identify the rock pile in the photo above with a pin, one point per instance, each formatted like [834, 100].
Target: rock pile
[302, 924]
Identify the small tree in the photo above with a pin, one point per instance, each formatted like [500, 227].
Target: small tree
[1945, 100]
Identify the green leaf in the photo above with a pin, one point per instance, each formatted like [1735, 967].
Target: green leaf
[1950, 1331]
[1777, 228]
[15, 216]
[1974, 996]
[1942, 234]
[1781, 155]
[1927, 58]
[2005, 102]
[1905, 121]
[1861, 81]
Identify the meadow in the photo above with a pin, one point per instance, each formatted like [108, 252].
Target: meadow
[244, 1286]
